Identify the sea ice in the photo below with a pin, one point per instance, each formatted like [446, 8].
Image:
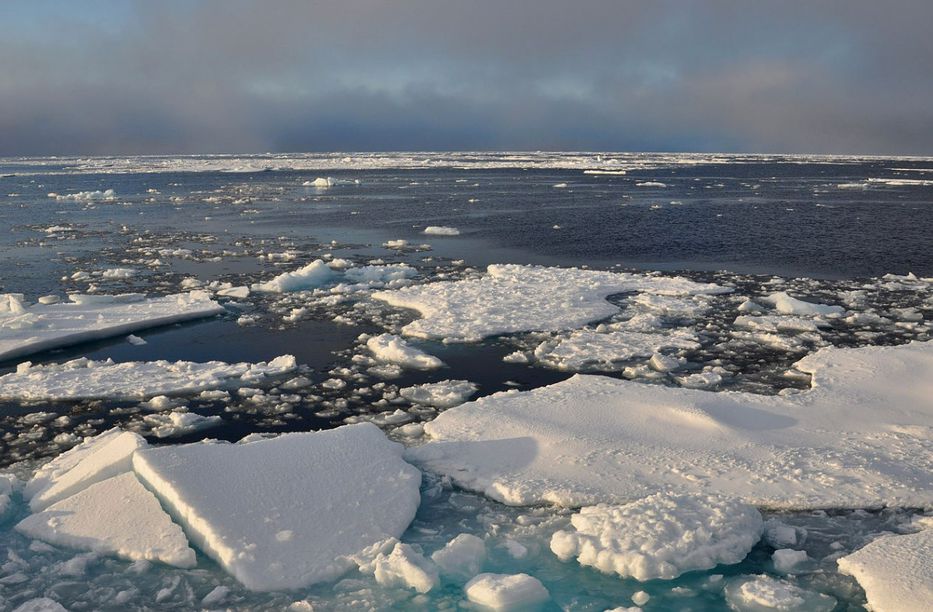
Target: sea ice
[461, 558]
[86, 379]
[896, 571]
[389, 348]
[660, 536]
[858, 438]
[766, 594]
[286, 512]
[513, 298]
[441, 230]
[443, 394]
[30, 329]
[179, 423]
[589, 349]
[506, 591]
[98, 458]
[406, 568]
[114, 516]
[785, 304]
[40, 604]
[313, 275]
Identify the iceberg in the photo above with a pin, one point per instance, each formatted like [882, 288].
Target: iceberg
[30, 329]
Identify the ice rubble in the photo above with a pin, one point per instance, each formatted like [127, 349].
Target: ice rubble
[179, 423]
[442, 394]
[586, 348]
[340, 490]
[114, 516]
[660, 536]
[30, 329]
[389, 348]
[766, 594]
[785, 304]
[87, 379]
[313, 275]
[506, 591]
[858, 438]
[512, 298]
[319, 273]
[896, 571]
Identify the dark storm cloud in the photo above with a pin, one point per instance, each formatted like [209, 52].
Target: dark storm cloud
[126, 77]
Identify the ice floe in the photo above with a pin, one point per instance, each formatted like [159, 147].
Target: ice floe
[896, 571]
[389, 348]
[114, 516]
[286, 512]
[860, 437]
[591, 350]
[513, 298]
[506, 591]
[87, 379]
[313, 275]
[30, 329]
[660, 536]
[442, 394]
[441, 230]
[764, 593]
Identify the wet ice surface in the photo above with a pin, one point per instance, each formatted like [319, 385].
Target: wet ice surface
[782, 226]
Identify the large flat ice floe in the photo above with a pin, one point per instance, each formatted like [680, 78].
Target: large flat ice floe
[287, 512]
[896, 571]
[860, 437]
[115, 516]
[28, 329]
[87, 379]
[514, 298]
[660, 536]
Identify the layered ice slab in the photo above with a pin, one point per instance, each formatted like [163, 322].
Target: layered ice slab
[286, 512]
[896, 572]
[115, 516]
[515, 298]
[86, 379]
[860, 437]
[29, 329]
[660, 536]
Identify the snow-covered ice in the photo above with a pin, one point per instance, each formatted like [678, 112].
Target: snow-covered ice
[785, 304]
[589, 349]
[896, 571]
[462, 557]
[30, 329]
[764, 593]
[114, 516]
[86, 379]
[442, 394]
[96, 459]
[179, 423]
[313, 275]
[389, 348]
[858, 438]
[513, 298]
[286, 512]
[506, 591]
[441, 230]
[660, 536]
[404, 567]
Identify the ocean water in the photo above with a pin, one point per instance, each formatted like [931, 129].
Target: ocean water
[821, 228]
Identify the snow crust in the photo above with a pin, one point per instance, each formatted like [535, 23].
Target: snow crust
[513, 298]
[114, 516]
[30, 329]
[859, 438]
[87, 379]
[660, 536]
[896, 571]
[389, 348]
[286, 512]
[506, 591]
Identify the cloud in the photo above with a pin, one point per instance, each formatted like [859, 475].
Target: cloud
[115, 77]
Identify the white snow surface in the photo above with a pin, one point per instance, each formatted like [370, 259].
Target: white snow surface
[586, 348]
[30, 329]
[286, 512]
[442, 394]
[896, 571]
[313, 275]
[96, 459]
[513, 298]
[114, 516]
[389, 348]
[660, 536]
[860, 437]
[506, 591]
[86, 379]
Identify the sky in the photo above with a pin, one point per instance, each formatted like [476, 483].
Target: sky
[83, 77]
